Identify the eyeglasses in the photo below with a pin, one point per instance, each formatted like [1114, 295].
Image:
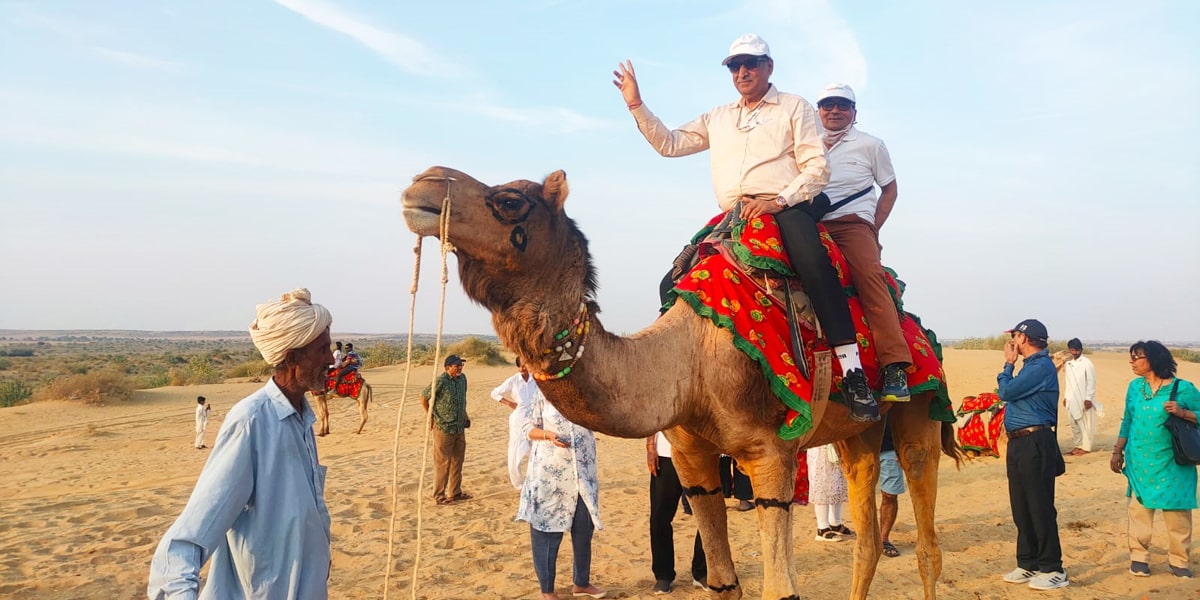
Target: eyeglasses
[749, 63]
[842, 105]
[1134, 357]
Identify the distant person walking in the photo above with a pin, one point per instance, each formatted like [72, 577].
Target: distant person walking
[257, 515]
[202, 409]
[1079, 397]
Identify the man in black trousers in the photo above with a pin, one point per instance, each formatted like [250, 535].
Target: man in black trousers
[1033, 459]
[665, 492]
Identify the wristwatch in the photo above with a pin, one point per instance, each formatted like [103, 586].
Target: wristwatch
[780, 202]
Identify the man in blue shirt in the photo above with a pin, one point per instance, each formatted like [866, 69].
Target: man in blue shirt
[258, 510]
[1033, 458]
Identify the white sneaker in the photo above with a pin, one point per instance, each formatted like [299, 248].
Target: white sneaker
[700, 584]
[1050, 581]
[1019, 575]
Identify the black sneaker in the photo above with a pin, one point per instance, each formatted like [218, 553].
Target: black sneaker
[662, 587]
[859, 397]
[895, 384]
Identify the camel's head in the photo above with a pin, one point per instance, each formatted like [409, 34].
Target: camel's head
[512, 240]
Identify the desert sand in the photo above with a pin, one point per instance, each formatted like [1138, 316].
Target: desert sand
[89, 491]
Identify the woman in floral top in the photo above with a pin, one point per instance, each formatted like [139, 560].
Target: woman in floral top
[561, 493]
[1143, 452]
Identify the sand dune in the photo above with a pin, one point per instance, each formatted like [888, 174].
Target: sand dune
[88, 491]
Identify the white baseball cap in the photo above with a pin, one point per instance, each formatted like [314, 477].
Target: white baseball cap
[836, 90]
[749, 44]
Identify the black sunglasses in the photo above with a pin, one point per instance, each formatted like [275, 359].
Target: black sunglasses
[842, 105]
[749, 63]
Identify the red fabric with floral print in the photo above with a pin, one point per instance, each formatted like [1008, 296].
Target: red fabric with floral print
[718, 290]
[981, 421]
[350, 385]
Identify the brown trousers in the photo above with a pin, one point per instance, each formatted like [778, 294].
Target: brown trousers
[1141, 525]
[449, 449]
[859, 243]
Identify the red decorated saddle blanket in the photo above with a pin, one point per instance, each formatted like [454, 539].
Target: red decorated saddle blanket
[349, 385]
[718, 290]
[980, 423]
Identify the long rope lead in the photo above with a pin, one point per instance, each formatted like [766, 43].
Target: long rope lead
[446, 248]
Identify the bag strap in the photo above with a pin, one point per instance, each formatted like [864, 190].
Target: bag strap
[1173, 389]
[851, 198]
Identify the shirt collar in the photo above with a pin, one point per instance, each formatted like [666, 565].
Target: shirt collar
[771, 97]
[1043, 353]
[283, 407]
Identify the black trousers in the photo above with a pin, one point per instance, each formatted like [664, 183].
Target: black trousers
[810, 261]
[1033, 462]
[734, 483]
[665, 492]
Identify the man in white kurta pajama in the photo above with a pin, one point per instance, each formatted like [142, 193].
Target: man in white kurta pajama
[1079, 384]
[515, 393]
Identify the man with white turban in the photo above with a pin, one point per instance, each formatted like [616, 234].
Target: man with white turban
[258, 509]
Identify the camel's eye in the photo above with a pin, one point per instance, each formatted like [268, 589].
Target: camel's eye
[509, 206]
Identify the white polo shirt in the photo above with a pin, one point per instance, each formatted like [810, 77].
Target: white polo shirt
[857, 161]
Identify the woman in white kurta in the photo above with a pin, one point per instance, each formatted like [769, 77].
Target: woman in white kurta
[827, 493]
[561, 493]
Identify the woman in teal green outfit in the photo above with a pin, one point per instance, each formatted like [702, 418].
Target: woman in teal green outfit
[1143, 453]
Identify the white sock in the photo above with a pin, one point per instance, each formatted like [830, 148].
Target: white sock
[835, 514]
[847, 355]
[822, 511]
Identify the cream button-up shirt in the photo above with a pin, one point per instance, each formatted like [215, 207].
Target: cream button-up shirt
[776, 149]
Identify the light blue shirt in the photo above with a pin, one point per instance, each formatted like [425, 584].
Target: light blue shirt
[258, 511]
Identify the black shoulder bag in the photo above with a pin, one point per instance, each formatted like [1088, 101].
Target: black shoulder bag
[1185, 436]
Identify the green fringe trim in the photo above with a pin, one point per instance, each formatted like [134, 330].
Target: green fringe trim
[803, 422]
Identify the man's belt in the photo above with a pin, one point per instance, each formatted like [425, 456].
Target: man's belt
[1024, 431]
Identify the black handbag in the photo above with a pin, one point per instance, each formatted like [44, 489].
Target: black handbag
[1185, 436]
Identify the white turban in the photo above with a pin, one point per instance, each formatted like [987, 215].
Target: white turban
[293, 322]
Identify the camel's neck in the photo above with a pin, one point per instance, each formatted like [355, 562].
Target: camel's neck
[624, 387]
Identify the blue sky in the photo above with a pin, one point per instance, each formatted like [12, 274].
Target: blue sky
[167, 165]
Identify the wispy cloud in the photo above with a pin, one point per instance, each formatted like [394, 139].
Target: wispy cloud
[134, 59]
[830, 39]
[556, 119]
[179, 132]
[402, 51]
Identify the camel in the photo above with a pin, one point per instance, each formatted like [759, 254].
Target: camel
[522, 258]
[322, 405]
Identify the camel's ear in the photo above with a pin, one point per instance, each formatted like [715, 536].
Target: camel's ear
[554, 189]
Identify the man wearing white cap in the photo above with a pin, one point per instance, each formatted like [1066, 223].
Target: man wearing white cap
[767, 157]
[857, 162]
[258, 509]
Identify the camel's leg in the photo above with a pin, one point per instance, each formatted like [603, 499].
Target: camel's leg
[322, 410]
[773, 477]
[701, 483]
[364, 397]
[860, 463]
[917, 440]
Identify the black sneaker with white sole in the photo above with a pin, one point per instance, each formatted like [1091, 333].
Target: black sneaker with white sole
[857, 393]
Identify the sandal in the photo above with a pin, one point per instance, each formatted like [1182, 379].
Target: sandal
[828, 535]
[889, 549]
[445, 501]
[462, 496]
[842, 530]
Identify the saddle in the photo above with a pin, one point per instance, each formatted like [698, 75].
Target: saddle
[348, 385]
[738, 276]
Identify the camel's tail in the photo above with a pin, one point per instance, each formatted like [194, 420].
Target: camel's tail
[950, 445]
